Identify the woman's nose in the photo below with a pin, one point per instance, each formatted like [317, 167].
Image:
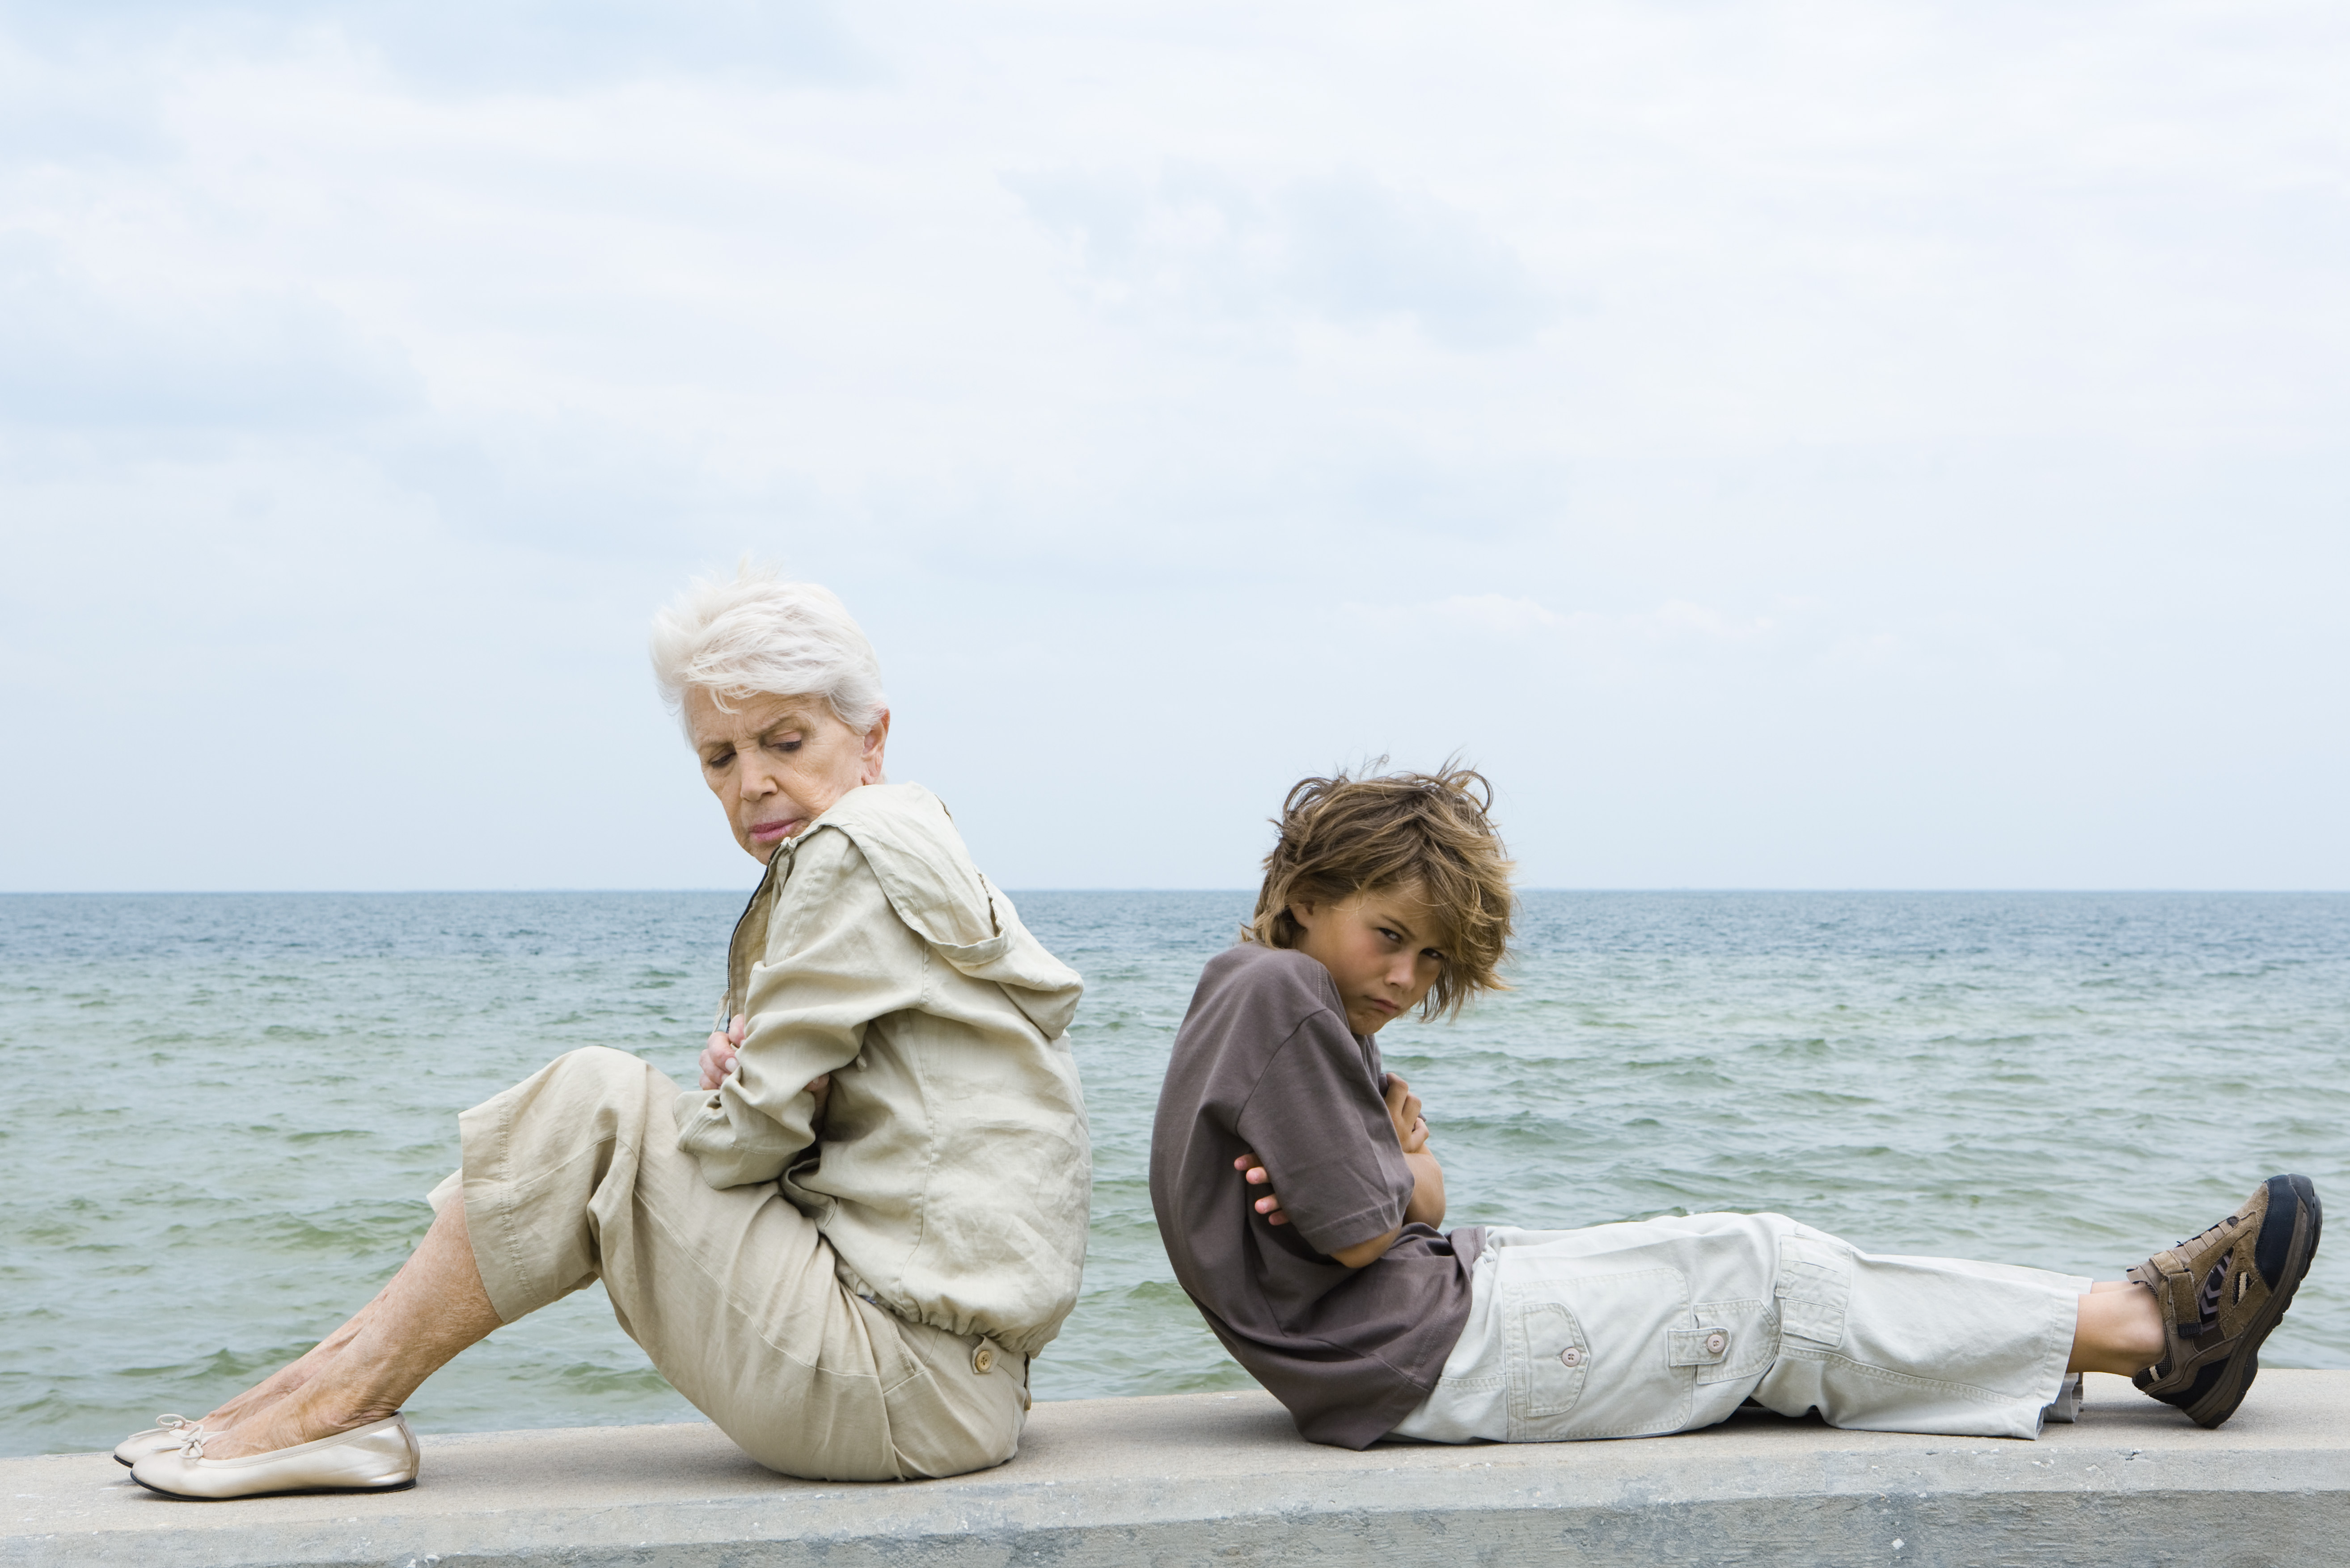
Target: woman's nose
[758, 778]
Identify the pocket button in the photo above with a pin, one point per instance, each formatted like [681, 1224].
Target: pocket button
[983, 1360]
[1571, 1357]
[1715, 1342]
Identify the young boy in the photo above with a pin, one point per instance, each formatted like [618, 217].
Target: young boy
[1300, 1202]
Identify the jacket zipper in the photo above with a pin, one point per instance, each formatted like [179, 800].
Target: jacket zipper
[728, 1005]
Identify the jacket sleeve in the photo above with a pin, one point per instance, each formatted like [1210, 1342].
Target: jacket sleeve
[837, 958]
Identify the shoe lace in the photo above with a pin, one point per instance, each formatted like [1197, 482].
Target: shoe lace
[2207, 1229]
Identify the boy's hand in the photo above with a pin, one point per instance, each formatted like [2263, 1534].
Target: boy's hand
[1255, 1175]
[1403, 1110]
[718, 1060]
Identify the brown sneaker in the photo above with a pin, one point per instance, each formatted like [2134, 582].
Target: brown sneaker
[2222, 1292]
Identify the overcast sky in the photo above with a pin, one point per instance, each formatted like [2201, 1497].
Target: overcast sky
[1784, 444]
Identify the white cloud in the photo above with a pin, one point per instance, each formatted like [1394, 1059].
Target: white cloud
[1826, 410]
[1341, 247]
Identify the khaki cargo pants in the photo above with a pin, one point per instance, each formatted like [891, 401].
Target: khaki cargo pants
[574, 1174]
[1662, 1325]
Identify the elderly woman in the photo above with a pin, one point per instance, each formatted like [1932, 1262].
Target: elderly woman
[846, 1244]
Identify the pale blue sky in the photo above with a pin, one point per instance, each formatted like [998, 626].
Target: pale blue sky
[1786, 444]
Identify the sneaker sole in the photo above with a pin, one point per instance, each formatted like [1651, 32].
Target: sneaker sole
[2208, 1407]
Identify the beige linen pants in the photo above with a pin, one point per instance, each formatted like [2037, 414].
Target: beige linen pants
[1662, 1325]
[574, 1174]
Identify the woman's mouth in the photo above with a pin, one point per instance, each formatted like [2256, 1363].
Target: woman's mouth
[774, 831]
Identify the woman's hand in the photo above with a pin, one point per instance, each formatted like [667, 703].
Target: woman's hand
[1255, 1175]
[718, 1057]
[719, 1061]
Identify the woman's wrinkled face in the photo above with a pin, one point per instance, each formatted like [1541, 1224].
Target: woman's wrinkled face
[777, 764]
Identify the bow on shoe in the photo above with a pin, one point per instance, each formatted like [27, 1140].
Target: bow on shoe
[191, 1439]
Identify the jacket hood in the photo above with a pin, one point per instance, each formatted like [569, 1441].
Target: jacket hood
[906, 836]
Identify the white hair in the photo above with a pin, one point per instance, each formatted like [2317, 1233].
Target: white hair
[754, 634]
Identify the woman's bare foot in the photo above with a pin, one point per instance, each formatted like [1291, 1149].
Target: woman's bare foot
[294, 1374]
[297, 1416]
[433, 1308]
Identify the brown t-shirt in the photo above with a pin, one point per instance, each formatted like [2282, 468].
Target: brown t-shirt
[1266, 1064]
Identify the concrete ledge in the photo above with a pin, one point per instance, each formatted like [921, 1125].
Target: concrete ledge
[1221, 1477]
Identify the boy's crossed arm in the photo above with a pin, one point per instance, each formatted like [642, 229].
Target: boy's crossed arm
[1426, 1205]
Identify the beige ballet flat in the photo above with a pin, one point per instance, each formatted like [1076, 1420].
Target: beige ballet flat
[379, 1457]
[165, 1434]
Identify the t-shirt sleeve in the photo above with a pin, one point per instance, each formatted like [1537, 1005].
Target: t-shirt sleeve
[1318, 1123]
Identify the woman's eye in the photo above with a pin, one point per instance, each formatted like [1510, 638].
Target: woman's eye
[787, 746]
[718, 761]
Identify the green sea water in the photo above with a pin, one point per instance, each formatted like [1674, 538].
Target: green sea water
[223, 1111]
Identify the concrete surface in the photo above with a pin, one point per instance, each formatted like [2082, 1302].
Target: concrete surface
[1223, 1478]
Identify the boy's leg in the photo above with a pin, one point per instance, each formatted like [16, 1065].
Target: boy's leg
[1668, 1324]
[2119, 1330]
[1885, 1343]
[1624, 1330]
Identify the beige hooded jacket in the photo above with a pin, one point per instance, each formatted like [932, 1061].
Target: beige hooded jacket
[953, 1173]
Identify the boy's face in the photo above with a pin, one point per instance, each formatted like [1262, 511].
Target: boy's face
[1383, 946]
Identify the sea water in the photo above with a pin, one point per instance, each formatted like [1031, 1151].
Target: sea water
[222, 1113]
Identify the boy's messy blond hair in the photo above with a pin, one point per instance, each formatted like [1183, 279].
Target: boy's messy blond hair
[1341, 836]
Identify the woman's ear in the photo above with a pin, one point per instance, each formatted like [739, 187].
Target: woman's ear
[877, 740]
[1302, 912]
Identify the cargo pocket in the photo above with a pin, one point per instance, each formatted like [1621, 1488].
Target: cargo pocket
[1813, 1289]
[1549, 1357]
[1590, 1356]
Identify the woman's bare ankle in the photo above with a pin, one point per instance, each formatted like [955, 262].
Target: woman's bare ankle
[287, 1380]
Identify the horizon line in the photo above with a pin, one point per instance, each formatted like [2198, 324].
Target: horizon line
[1237, 892]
